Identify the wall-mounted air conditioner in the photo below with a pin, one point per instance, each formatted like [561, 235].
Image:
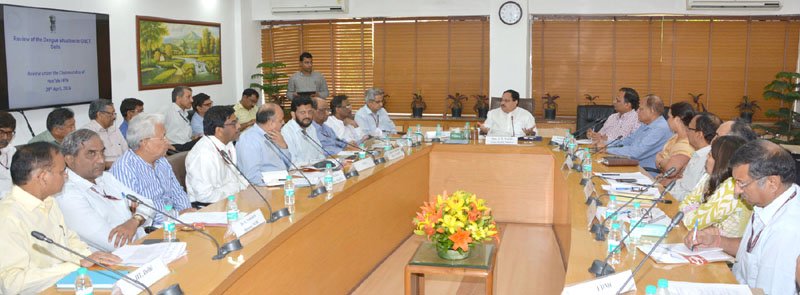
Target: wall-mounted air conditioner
[732, 4]
[306, 6]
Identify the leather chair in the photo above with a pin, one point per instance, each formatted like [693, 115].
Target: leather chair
[525, 103]
[589, 114]
[178, 162]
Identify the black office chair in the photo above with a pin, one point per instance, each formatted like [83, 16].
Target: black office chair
[589, 114]
[525, 103]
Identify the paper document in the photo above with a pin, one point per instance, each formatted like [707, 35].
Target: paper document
[274, 178]
[656, 216]
[583, 141]
[678, 254]
[138, 255]
[209, 218]
[689, 288]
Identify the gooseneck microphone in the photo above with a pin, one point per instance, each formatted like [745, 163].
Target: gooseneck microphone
[273, 215]
[673, 224]
[320, 148]
[587, 127]
[221, 251]
[600, 230]
[315, 191]
[44, 238]
[376, 160]
[609, 145]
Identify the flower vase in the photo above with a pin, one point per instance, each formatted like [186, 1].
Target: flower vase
[449, 254]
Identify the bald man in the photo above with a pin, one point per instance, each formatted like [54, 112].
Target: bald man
[262, 148]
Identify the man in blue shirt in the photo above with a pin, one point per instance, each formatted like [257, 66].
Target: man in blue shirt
[129, 108]
[259, 154]
[372, 117]
[200, 103]
[644, 143]
[327, 137]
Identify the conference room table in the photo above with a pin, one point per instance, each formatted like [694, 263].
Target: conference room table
[330, 243]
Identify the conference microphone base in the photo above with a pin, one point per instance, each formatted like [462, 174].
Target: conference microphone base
[279, 214]
[224, 250]
[600, 231]
[584, 181]
[174, 289]
[594, 200]
[351, 174]
[380, 160]
[600, 268]
[317, 191]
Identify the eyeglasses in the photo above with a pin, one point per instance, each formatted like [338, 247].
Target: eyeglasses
[743, 185]
[110, 113]
[378, 101]
[233, 123]
[693, 129]
[346, 106]
[8, 133]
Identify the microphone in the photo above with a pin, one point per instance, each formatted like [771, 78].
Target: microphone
[587, 127]
[44, 238]
[601, 268]
[320, 148]
[675, 221]
[600, 230]
[315, 191]
[513, 131]
[371, 154]
[607, 146]
[221, 251]
[273, 215]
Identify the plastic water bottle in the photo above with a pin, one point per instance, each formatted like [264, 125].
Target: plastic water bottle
[232, 209]
[361, 153]
[288, 191]
[438, 130]
[410, 137]
[663, 287]
[650, 290]
[328, 177]
[170, 231]
[612, 205]
[635, 216]
[587, 164]
[614, 239]
[466, 131]
[83, 284]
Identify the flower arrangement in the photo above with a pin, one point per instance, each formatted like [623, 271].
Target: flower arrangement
[456, 222]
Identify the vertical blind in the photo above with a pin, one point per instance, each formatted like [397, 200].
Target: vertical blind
[721, 58]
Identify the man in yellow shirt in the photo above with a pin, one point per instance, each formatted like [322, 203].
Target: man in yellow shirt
[246, 109]
[27, 265]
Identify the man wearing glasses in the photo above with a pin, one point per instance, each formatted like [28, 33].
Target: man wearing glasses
[7, 126]
[102, 116]
[300, 134]
[342, 122]
[702, 129]
[766, 254]
[623, 122]
[372, 117]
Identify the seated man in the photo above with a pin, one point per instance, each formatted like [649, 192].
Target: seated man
[129, 108]
[702, 129]
[644, 143]
[256, 152]
[738, 128]
[93, 201]
[509, 119]
[342, 122]
[372, 117]
[28, 265]
[102, 116]
[60, 122]
[8, 125]
[623, 122]
[176, 119]
[246, 109]
[765, 256]
[300, 135]
[330, 142]
[209, 176]
[145, 170]
[200, 103]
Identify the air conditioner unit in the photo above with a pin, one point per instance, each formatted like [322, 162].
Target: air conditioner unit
[306, 6]
[733, 4]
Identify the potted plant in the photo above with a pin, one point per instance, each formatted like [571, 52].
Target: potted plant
[698, 106]
[746, 109]
[550, 106]
[270, 86]
[418, 105]
[481, 105]
[591, 99]
[785, 89]
[456, 104]
[455, 224]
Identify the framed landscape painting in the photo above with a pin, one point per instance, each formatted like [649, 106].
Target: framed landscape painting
[177, 52]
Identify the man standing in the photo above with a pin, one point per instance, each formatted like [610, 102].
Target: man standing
[623, 122]
[509, 119]
[262, 148]
[300, 135]
[372, 117]
[702, 129]
[8, 125]
[60, 122]
[246, 109]
[94, 202]
[307, 81]
[29, 266]
[341, 120]
[330, 142]
[210, 175]
[176, 119]
[644, 143]
[129, 108]
[200, 103]
[102, 116]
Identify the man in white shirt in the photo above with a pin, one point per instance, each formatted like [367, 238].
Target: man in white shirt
[93, 201]
[341, 120]
[8, 125]
[300, 135]
[702, 129]
[509, 119]
[210, 174]
[765, 255]
[176, 119]
[372, 117]
[102, 116]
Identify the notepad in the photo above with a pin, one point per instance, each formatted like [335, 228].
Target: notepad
[101, 279]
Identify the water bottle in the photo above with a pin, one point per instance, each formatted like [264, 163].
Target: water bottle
[83, 284]
[232, 209]
[288, 191]
[418, 137]
[328, 177]
[170, 232]
[438, 130]
[565, 142]
[650, 290]
[635, 216]
[612, 205]
[362, 151]
[410, 137]
[571, 145]
[614, 239]
[587, 164]
[466, 131]
[663, 287]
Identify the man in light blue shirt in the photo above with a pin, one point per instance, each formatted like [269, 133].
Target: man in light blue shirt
[649, 139]
[300, 135]
[327, 137]
[200, 103]
[372, 117]
[256, 153]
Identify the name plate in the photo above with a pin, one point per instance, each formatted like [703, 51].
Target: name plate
[591, 213]
[567, 162]
[501, 140]
[588, 190]
[604, 285]
[148, 274]
[338, 176]
[248, 223]
[394, 154]
[364, 164]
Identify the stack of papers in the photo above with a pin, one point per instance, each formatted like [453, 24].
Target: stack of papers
[629, 184]
[207, 218]
[138, 255]
[689, 288]
[678, 254]
[656, 216]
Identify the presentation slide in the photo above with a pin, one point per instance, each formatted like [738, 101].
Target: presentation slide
[51, 57]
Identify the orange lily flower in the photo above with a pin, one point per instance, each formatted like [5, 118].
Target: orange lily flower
[461, 239]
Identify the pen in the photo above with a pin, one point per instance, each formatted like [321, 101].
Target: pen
[694, 235]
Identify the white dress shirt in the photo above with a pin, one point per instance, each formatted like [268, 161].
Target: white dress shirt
[92, 210]
[691, 174]
[771, 264]
[209, 177]
[375, 124]
[303, 151]
[500, 122]
[5, 174]
[345, 132]
[179, 129]
[112, 138]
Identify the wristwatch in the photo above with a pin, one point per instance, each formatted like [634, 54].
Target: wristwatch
[139, 218]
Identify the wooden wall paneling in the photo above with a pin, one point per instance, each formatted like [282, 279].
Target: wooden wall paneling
[560, 64]
[728, 54]
[632, 57]
[596, 61]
